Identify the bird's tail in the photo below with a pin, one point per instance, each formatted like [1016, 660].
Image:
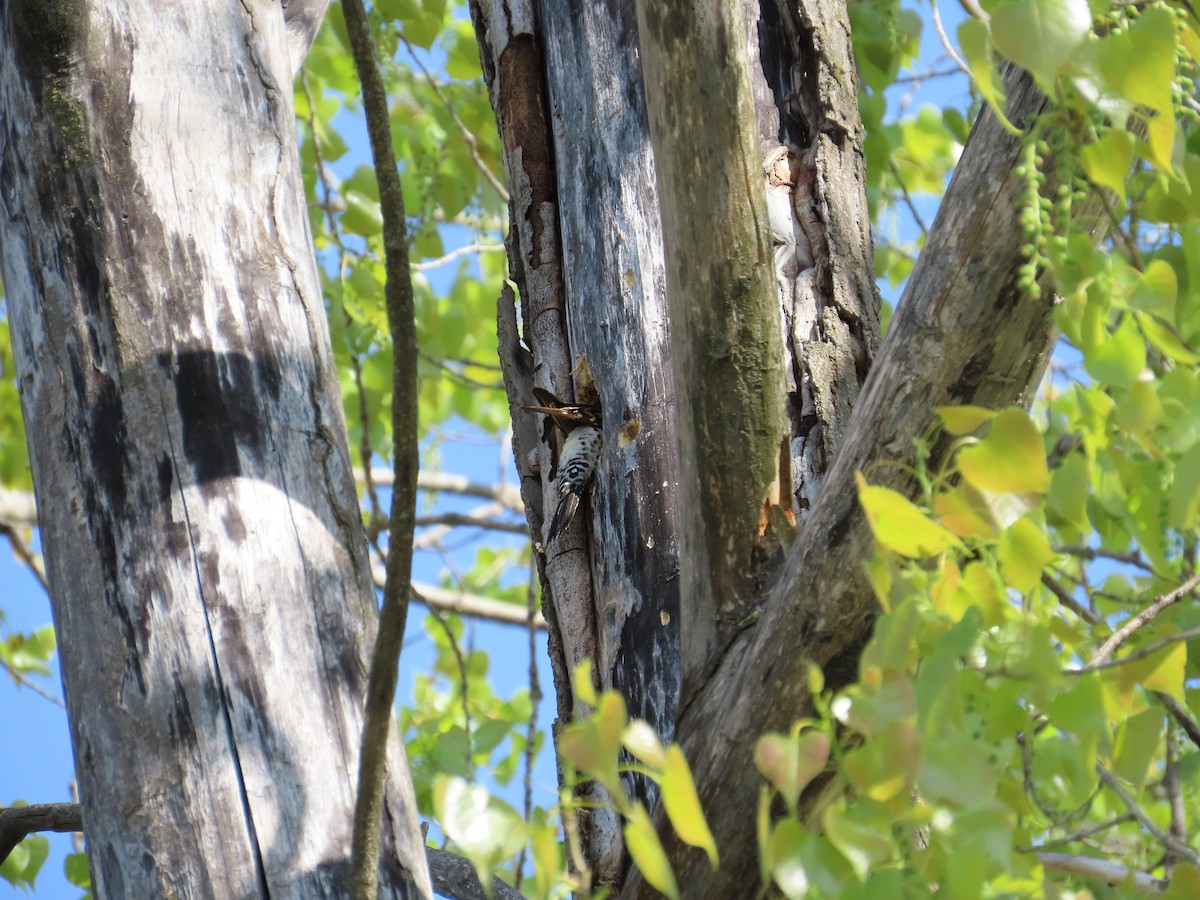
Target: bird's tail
[563, 515]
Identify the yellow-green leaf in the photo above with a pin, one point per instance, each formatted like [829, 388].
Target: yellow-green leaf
[1023, 553]
[1011, 459]
[959, 420]
[900, 526]
[683, 805]
[1109, 160]
[975, 40]
[642, 741]
[1040, 35]
[647, 852]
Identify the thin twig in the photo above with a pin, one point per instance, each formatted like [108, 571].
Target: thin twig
[1065, 598]
[908, 200]
[398, 295]
[1078, 835]
[937, 23]
[1175, 846]
[455, 254]
[447, 482]
[25, 682]
[1101, 870]
[1140, 652]
[1132, 558]
[461, 520]
[1122, 634]
[1181, 715]
[463, 684]
[1172, 785]
[466, 132]
[25, 555]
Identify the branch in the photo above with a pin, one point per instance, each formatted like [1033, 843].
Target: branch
[1181, 715]
[1101, 870]
[453, 876]
[1122, 634]
[1170, 842]
[450, 483]
[963, 333]
[1065, 598]
[18, 821]
[1140, 653]
[398, 295]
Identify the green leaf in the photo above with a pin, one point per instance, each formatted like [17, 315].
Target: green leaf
[1109, 160]
[1139, 63]
[960, 420]
[647, 852]
[791, 763]
[861, 832]
[683, 805]
[1011, 459]
[1023, 553]
[1040, 35]
[901, 526]
[1167, 341]
[1136, 742]
[75, 866]
[976, 43]
[807, 865]
[1184, 501]
[25, 861]
[488, 830]
[956, 771]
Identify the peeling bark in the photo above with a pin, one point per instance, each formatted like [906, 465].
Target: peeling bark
[204, 549]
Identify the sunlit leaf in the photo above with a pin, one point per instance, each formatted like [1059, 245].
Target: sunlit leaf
[1040, 35]
[899, 525]
[647, 852]
[1010, 459]
[683, 805]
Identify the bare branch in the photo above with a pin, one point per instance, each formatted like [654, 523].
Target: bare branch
[450, 483]
[1101, 870]
[455, 877]
[455, 254]
[467, 520]
[1181, 715]
[18, 821]
[1065, 598]
[467, 134]
[1173, 845]
[25, 682]
[398, 295]
[1122, 634]
[1141, 652]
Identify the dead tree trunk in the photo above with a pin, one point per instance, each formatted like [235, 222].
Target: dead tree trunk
[204, 547]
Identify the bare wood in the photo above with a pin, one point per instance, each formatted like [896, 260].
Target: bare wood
[725, 329]
[17, 822]
[811, 139]
[511, 56]
[1102, 870]
[618, 321]
[204, 550]
[964, 333]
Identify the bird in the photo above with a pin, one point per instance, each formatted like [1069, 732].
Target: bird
[579, 425]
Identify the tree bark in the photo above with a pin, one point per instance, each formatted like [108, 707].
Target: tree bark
[964, 333]
[204, 548]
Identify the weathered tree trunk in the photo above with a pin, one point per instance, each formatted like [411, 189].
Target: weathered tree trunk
[204, 548]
